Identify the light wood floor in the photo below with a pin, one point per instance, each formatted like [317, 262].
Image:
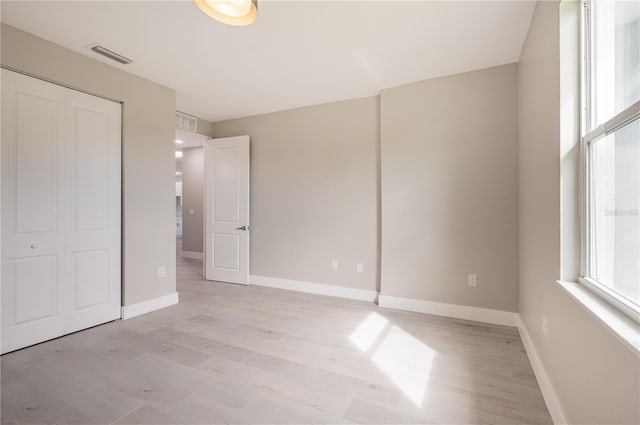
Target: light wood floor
[233, 354]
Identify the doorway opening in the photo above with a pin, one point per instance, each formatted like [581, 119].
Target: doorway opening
[189, 196]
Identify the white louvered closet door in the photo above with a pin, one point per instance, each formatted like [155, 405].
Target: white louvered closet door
[60, 211]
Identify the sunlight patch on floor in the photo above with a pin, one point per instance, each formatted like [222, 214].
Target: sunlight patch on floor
[368, 331]
[403, 358]
[406, 361]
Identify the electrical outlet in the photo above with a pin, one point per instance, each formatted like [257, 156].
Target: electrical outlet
[545, 326]
[359, 267]
[473, 280]
[191, 211]
[162, 272]
[334, 264]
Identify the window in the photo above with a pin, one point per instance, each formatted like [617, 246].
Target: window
[611, 151]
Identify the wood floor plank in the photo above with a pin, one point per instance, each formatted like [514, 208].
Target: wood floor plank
[197, 409]
[146, 415]
[24, 403]
[144, 384]
[368, 413]
[276, 409]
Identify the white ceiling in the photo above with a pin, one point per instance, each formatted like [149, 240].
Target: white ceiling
[296, 54]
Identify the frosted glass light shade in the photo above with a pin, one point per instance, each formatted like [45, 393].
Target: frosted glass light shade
[230, 12]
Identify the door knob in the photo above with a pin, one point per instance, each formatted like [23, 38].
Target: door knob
[33, 246]
[243, 228]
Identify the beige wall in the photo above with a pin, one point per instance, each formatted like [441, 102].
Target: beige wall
[595, 377]
[449, 189]
[192, 192]
[148, 159]
[205, 127]
[313, 191]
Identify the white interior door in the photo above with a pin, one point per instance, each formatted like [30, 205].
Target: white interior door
[92, 174]
[60, 211]
[227, 209]
[32, 210]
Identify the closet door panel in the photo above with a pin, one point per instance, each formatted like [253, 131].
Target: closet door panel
[36, 152]
[36, 288]
[90, 153]
[32, 210]
[90, 278]
[93, 210]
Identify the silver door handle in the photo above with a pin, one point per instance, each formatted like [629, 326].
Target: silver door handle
[34, 246]
[243, 228]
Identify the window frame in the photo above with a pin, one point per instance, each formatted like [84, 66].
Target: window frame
[588, 136]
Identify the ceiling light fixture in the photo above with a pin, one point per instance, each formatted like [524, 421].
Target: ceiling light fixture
[231, 12]
[179, 141]
[178, 154]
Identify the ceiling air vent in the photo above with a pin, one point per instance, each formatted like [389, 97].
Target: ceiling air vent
[186, 122]
[111, 54]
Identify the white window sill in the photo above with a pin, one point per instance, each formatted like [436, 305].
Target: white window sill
[621, 326]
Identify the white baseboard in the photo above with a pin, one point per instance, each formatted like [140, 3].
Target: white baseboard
[314, 288]
[497, 317]
[133, 310]
[192, 254]
[549, 394]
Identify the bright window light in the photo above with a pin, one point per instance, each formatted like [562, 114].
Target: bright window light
[178, 154]
[614, 58]
[611, 145]
[615, 205]
[368, 331]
